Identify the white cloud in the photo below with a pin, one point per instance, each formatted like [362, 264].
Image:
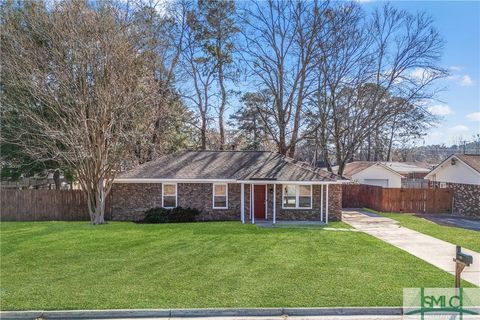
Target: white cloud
[455, 68]
[466, 81]
[458, 129]
[419, 73]
[440, 110]
[475, 116]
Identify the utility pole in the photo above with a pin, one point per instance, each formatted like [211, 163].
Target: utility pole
[464, 146]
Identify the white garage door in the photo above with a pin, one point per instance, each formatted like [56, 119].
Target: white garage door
[377, 182]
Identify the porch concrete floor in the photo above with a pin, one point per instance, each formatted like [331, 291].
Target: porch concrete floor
[269, 223]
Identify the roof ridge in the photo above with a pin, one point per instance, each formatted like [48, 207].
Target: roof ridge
[192, 150]
[299, 164]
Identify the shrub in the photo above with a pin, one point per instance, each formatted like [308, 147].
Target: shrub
[178, 214]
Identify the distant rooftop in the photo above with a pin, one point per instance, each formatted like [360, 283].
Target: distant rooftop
[402, 168]
[406, 167]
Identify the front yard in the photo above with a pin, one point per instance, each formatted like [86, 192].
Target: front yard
[72, 265]
[469, 239]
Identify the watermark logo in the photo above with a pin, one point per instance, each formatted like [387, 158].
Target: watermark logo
[441, 303]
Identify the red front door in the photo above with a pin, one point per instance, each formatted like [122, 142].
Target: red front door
[259, 201]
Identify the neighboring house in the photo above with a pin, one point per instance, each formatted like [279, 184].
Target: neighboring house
[372, 173]
[385, 174]
[458, 168]
[410, 170]
[229, 185]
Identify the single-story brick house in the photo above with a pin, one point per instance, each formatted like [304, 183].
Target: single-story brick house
[229, 185]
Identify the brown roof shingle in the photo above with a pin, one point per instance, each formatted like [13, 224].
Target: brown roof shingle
[355, 167]
[237, 165]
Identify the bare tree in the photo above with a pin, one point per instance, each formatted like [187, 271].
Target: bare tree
[84, 89]
[362, 64]
[198, 74]
[161, 26]
[279, 49]
[215, 28]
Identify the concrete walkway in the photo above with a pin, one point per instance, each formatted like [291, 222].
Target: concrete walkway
[432, 250]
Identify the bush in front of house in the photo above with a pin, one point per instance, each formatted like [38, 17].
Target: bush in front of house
[174, 215]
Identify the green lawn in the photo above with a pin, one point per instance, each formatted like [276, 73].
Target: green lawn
[469, 239]
[72, 265]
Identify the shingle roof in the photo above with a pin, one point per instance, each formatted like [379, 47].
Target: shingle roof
[473, 160]
[404, 167]
[355, 167]
[237, 165]
[399, 167]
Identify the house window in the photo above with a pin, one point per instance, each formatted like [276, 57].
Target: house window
[297, 196]
[169, 195]
[220, 196]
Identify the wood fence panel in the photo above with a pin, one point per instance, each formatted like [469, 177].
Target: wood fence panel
[414, 200]
[42, 205]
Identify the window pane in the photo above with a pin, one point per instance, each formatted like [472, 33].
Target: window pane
[220, 201]
[305, 190]
[289, 201]
[169, 189]
[304, 202]
[220, 190]
[169, 201]
[290, 190]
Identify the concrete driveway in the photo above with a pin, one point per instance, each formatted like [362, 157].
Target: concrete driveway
[453, 221]
[432, 250]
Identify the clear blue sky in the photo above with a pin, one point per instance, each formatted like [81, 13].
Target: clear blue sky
[459, 24]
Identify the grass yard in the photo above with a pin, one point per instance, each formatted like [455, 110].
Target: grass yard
[469, 239]
[72, 265]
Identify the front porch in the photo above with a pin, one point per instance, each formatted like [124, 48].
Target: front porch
[269, 203]
[267, 223]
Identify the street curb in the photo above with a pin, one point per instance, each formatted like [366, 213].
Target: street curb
[182, 313]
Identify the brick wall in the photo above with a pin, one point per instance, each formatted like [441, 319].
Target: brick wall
[334, 205]
[466, 199]
[200, 196]
[130, 200]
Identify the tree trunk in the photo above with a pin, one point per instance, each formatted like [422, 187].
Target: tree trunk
[221, 111]
[56, 179]
[282, 146]
[326, 159]
[203, 133]
[390, 142]
[369, 147]
[291, 151]
[96, 202]
[341, 167]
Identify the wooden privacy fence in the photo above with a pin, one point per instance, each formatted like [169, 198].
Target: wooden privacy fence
[42, 205]
[397, 199]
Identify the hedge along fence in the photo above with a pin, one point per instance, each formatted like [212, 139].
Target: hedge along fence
[415, 200]
[43, 205]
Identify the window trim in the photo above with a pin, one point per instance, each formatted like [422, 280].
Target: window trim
[226, 195]
[297, 197]
[176, 194]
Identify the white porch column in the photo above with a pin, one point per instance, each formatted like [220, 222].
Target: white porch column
[252, 199]
[326, 206]
[321, 202]
[274, 203]
[242, 202]
[266, 201]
